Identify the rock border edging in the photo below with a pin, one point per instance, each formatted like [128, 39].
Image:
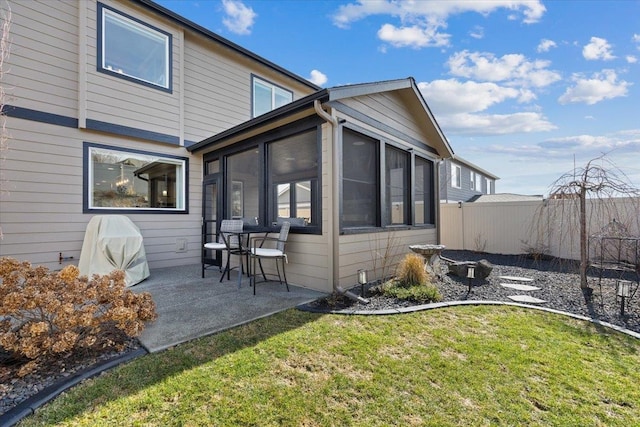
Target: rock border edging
[30, 405]
[435, 305]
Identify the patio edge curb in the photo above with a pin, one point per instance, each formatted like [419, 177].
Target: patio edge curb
[30, 405]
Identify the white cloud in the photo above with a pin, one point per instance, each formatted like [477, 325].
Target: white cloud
[420, 22]
[636, 39]
[454, 97]
[477, 32]
[597, 49]
[545, 45]
[317, 77]
[414, 36]
[457, 104]
[495, 124]
[631, 59]
[601, 86]
[239, 18]
[587, 146]
[621, 140]
[512, 68]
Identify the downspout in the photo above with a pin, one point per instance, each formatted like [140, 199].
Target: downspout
[334, 219]
[437, 201]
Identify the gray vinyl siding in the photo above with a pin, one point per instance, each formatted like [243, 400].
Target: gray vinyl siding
[42, 71]
[122, 102]
[42, 210]
[218, 88]
[465, 192]
[379, 253]
[391, 110]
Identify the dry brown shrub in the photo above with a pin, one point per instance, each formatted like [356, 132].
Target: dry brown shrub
[50, 314]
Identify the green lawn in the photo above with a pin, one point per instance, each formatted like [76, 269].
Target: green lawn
[462, 366]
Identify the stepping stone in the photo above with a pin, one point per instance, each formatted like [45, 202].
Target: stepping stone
[520, 287]
[526, 299]
[516, 278]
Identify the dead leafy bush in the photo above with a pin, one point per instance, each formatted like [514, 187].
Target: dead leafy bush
[47, 314]
[411, 271]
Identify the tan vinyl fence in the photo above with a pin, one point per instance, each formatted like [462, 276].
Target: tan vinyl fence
[549, 226]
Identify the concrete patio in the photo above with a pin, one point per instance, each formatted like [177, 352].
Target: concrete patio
[190, 307]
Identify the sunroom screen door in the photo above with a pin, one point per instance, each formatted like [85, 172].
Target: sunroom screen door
[210, 213]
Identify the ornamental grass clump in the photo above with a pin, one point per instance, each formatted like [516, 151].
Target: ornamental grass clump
[46, 315]
[412, 282]
[411, 271]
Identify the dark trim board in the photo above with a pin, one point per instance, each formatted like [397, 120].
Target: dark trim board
[132, 132]
[39, 116]
[97, 125]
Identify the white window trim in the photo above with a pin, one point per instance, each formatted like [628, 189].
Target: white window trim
[488, 185]
[274, 88]
[456, 176]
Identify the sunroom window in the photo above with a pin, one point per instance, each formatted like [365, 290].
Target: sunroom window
[243, 185]
[293, 175]
[396, 185]
[384, 185]
[424, 209]
[360, 180]
[132, 50]
[134, 180]
[268, 96]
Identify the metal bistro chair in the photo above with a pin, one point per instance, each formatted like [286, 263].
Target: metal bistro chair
[257, 253]
[229, 242]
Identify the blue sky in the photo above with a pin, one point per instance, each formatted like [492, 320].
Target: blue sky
[521, 88]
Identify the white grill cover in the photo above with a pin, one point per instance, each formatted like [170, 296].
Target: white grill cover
[113, 242]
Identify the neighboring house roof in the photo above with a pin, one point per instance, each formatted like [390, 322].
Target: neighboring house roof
[504, 197]
[332, 96]
[184, 22]
[470, 165]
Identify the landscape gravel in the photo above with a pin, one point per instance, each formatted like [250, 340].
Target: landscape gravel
[558, 280]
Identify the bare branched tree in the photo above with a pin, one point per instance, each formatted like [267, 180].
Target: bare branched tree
[565, 218]
[5, 47]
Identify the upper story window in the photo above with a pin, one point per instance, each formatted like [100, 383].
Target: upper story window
[456, 176]
[268, 96]
[133, 50]
[488, 185]
[130, 180]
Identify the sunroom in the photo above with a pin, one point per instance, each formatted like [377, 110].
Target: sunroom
[352, 168]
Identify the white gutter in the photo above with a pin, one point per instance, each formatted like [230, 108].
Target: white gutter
[334, 203]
